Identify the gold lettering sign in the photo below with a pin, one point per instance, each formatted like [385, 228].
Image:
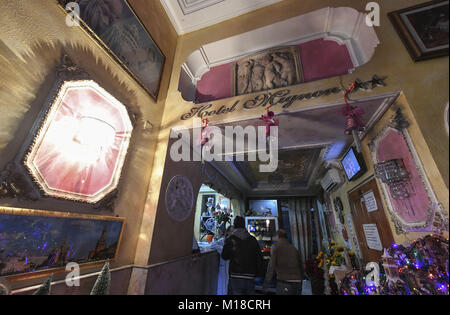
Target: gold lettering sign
[281, 97]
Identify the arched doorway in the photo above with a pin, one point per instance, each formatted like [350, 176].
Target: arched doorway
[212, 208]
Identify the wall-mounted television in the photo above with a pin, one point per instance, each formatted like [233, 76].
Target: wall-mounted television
[263, 208]
[353, 164]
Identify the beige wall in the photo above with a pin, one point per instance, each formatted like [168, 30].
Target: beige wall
[33, 37]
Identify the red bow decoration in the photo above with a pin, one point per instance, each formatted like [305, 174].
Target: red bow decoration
[269, 120]
[353, 114]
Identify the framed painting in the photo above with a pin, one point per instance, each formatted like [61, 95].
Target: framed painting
[118, 30]
[36, 243]
[224, 203]
[424, 29]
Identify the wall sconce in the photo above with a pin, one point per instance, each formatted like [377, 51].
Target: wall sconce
[394, 174]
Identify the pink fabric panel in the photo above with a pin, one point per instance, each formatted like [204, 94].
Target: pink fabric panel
[320, 59]
[323, 59]
[215, 84]
[415, 208]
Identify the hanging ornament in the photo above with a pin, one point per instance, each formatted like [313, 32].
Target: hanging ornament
[354, 123]
[204, 136]
[269, 120]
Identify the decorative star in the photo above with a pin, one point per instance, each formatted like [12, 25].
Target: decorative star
[377, 81]
[360, 85]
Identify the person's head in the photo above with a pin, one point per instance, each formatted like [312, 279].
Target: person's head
[239, 222]
[281, 234]
[229, 231]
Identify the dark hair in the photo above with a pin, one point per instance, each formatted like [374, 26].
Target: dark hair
[239, 222]
[282, 233]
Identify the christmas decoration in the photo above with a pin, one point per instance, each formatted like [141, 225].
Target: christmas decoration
[45, 288]
[377, 81]
[5, 288]
[390, 268]
[102, 284]
[353, 114]
[269, 120]
[418, 269]
[204, 135]
[318, 269]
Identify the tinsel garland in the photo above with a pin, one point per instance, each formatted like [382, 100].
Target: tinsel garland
[422, 269]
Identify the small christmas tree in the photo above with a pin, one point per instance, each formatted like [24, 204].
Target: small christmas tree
[5, 289]
[45, 287]
[101, 286]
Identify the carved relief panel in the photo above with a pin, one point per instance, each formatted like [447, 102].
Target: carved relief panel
[271, 69]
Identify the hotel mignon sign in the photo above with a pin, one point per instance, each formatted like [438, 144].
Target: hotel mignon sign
[282, 97]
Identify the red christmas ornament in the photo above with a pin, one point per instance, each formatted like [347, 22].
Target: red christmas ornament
[269, 120]
[204, 135]
[354, 122]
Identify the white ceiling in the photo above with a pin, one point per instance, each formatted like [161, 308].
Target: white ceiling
[320, 126]
[191, 15]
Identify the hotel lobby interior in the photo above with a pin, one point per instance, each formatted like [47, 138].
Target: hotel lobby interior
[139, 139]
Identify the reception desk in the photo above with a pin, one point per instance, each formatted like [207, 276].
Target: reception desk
[191, 275]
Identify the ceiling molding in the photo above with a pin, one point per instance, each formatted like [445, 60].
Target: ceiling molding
[191, 15]
[191, 6]
[344, 25]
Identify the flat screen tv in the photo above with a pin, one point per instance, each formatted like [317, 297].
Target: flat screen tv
[353, 164]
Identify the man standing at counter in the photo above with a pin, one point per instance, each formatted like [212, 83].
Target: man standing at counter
[246, 261]
[285, 261]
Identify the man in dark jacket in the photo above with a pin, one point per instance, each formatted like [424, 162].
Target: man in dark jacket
[245, 257]
[285, 261]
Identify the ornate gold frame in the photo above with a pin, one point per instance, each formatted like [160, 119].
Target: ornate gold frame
[23, 178]
[57, 214]
[104, 47]
[408, 39]
[45, 122]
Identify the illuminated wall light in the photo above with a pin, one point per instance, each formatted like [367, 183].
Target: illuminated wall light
[79, 151]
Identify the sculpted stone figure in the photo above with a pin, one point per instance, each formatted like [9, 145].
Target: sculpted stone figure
[272, 70]
[258, 78]
[287, 73]
[244, 77]
[264, 71]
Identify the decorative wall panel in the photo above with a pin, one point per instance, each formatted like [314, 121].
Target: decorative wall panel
[419, 209]
[81, 146]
